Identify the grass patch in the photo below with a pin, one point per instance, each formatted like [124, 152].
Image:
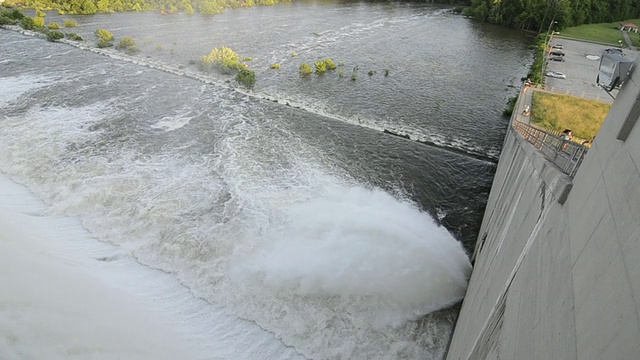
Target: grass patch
[607, 33]
[558, 112]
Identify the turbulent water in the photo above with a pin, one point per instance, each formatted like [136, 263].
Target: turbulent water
[307, 220]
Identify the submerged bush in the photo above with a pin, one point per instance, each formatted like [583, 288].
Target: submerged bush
[54, 35]
[53, 26]
[128, 45]
[38, 22]
[224, 59]
[74, 37]
[511, 104]
[305, 69]
[372, 72]
[246, 77]
[341, 73]
[294, 54]
[275, 66]
[104, 44]
[321, 67]
[13, 15]
[247, 59]
[6, 20]
[40, 13]
[70, 23]
[27, 23]
[386, 72]
[104, 35]
[330, 64]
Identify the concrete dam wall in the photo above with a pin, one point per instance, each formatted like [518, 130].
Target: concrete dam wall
[557, 262]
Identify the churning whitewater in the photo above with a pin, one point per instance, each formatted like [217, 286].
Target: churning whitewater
[307, 255]
[249, 229]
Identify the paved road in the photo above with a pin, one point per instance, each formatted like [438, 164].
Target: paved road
[581, 72]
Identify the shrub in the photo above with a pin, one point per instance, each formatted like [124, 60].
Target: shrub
[38, 22]
[27, 23]
[104, 44]
[341, 73]
[53, 26]
[7, 21]
[224, 59]
[275, 66]
[246, 77]
[330, 64]
[54, 35]
[321, 67]
[74, 37]
[372, 72]
[294, 54]
[511, 104]
[70, 23]
[104, 35]
[6, 18]
[128, 45]
[13, 15]
[40, 13]
[305, 69]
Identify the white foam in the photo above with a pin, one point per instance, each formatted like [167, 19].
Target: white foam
[13, 87]
[66, 296]
[362, 243]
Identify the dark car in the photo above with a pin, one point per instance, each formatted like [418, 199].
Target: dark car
[614, 51]
[557, 53]
[558, 46]
[557, 58]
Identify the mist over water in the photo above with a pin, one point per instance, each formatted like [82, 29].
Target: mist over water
[333, 238]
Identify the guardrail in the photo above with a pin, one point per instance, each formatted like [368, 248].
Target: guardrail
[566, 154]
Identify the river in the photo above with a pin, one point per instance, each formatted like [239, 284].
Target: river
[297, 213]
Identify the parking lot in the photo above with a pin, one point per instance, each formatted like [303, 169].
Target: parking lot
[580, 71]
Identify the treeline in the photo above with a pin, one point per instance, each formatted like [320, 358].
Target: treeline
[538, 15]
[206, 7]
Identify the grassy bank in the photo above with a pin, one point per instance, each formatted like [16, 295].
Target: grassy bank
[607, 33]
[558, 112]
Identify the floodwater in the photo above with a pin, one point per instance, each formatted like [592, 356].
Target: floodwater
[287, 205]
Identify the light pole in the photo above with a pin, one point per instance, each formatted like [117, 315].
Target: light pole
[544, 52]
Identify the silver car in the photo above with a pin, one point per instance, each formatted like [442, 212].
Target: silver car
[556, 74]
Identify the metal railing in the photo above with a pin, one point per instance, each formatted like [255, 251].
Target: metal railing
[566, 154]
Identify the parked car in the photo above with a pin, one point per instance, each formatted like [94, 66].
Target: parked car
[614, 51]
[557, 58]
[558, 46]
[557, 53]
[556, 74]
